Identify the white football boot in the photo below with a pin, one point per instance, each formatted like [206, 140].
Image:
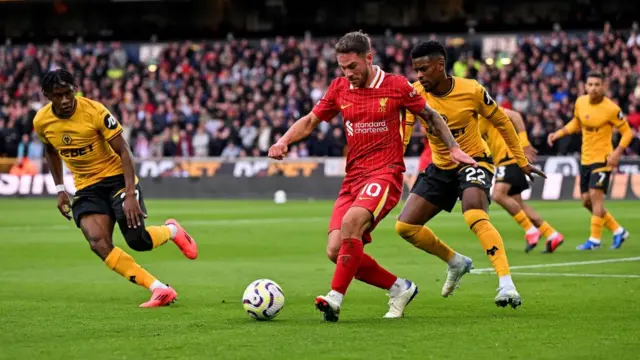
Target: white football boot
[508, 295]
[330, 306]
[461, 266]
[399, 301]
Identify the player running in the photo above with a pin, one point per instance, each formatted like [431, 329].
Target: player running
[596, 115]
[459, 101]
[511, 182]
[89, 139]
[372, 103]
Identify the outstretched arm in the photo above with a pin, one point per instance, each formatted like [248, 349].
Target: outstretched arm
[626, 136]
[572, 127]
[508, 133]
[302, 128]
[515, 117]
[55, 167]
[55, 164]
[439, 128]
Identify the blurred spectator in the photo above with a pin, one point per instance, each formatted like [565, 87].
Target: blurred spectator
[201, 142]
[231, 151]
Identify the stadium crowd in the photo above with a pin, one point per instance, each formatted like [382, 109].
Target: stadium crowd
[235, 98]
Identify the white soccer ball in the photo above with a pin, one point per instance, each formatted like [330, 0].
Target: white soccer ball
[263, 299]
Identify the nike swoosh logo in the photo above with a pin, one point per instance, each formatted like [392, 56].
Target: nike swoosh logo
[364, 198]
[342, 107]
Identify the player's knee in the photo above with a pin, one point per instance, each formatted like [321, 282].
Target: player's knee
[138, 239]
[498, 197]
[332, 253]
[101, 245]
[407, 231]
[586, 203]
[353, 224]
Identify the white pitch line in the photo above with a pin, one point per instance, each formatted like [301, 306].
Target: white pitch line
[575, 263]
[625, 276]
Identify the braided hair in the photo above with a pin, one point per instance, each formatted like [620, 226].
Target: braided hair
[59, 77]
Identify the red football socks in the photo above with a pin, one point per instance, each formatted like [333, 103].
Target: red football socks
[373, 274]
[349, 259]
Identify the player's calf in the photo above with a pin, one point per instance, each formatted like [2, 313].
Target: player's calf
[137, 238]
[586, 202]
[423, 238]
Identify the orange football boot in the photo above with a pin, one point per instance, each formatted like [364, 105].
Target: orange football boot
[183, 240]
[532, 240]
[161, 297]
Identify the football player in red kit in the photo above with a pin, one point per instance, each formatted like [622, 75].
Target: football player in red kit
[425, 156]
[373, 105]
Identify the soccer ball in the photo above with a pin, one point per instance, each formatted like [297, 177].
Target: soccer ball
[263, 299]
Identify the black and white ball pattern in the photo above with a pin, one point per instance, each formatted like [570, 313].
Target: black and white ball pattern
[263, 299]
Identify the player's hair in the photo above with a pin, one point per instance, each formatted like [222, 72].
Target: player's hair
[59, 77]
[429, 48]
[595, 74]
[354, 42]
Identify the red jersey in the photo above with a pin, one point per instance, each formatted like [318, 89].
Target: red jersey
[374, 120]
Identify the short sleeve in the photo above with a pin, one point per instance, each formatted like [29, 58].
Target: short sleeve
[38, 129]
[107, 124]
[327, 108]
[40, 132]
[411, 99]
[487, 107]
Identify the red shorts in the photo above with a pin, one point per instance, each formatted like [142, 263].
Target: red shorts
[379, 194]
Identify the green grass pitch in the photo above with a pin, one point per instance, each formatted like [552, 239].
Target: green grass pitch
[60, 302]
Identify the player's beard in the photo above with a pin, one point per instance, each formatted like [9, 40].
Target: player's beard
[363, 78]
[429, 86]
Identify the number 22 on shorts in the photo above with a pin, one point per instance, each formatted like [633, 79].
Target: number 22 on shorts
[475, 175]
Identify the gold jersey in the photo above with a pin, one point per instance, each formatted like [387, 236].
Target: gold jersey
[596, 121]
[82, 141]
[460, 108]
[500, 152]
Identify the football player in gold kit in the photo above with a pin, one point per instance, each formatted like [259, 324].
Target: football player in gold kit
[596, 116]
[511, 182]
[83, 134]
[459, 101]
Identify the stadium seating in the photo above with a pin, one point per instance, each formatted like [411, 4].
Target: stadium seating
[235, 98]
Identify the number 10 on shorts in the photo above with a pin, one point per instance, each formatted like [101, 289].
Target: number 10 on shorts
[373, 197]
[371, 189]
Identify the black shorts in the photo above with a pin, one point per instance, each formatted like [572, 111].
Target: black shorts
[105, 197]
[443, 188]
[512, 174]
[594, 177]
